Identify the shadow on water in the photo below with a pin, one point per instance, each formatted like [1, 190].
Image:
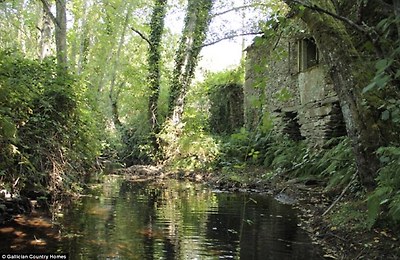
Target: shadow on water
[168, 220]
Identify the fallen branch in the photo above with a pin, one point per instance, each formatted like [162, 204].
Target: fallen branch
[341, 194]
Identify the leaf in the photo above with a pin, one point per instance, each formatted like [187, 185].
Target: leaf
[384, 201]
[302, 7]
[369, 87]
[381, 24]
[397, 74]
[382, 80]
[384, 159]
[383, 64]
[385, 115]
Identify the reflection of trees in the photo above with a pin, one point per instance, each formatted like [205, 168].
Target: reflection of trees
[142, 220]
[183, 210]
[180, 221]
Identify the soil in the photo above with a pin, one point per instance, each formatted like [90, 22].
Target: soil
[309, 197]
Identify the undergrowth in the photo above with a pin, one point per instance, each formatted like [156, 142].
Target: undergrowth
[293, 159]
[48, 135]
[384, 201]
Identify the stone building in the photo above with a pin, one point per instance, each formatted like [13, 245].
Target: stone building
[287, 81]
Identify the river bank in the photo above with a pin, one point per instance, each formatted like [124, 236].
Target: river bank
[321, 211]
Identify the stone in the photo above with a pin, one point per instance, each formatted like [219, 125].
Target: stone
[294, 89]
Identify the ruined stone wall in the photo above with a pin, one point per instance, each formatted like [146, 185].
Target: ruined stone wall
[321, 117]
[255, 80]
[297, 91]
[226, 108]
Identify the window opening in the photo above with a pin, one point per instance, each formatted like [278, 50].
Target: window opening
[336, 126]
[292, 126]
[307, 54]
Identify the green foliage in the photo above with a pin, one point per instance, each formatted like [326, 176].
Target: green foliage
[244, 148]
[283, 95]
[190, 145]
[226, 77]
[385, 199]
[196, 22]
[188, 150]
[136, 147]
[280, 154]
[384, 84]
[337, 163]
[226, 108]
[48, 133]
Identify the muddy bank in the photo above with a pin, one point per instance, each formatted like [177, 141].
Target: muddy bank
[309, 196]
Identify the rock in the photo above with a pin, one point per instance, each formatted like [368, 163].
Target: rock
[285, 199]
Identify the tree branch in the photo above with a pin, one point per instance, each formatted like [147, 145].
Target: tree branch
[229, 37]
[237, 8]
[353, 178]
[48, 11]
[362, 28]
[142, 36]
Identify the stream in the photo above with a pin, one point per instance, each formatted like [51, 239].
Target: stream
[121, 219]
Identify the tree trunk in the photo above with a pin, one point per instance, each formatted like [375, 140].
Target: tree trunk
[84, 41]
[45, 36]
[61, 33]
[154, 60]
[114, 93]
[60, 24]
[194, 33]
[348, 72]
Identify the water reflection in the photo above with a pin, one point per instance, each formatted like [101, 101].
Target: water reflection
[175, 220]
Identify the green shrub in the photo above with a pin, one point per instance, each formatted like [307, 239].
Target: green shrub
[136, 147]
[47, 131]
[185, 149]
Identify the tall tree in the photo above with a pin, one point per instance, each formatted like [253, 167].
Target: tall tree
[114, 92]
[61, 33]
[60, 23]
[154, 59]
[194, 32]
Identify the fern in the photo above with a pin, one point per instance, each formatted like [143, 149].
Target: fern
[386, 195]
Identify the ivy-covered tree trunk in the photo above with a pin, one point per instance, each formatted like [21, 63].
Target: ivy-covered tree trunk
[349, 74]
[154, 60]
[194, 33]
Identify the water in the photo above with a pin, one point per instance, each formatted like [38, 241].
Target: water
[168, 220]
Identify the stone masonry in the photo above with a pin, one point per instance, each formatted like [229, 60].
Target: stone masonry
[287, 81]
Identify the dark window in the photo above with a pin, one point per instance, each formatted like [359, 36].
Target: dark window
[307, 54]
